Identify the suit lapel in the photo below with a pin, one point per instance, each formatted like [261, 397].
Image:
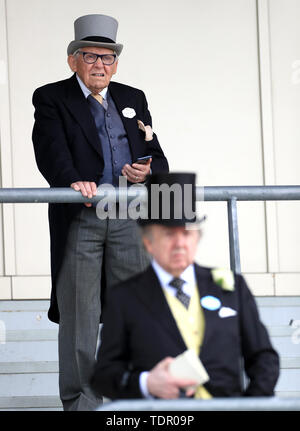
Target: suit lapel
[205, 286]
[153, 298]
[78, 107]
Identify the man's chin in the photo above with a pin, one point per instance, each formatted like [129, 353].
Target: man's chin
[178, 268]
[98, 84]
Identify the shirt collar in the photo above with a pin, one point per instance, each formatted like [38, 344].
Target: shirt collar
[87, 92]
[188, 275]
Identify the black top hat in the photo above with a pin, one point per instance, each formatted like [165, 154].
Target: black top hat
[171, 200]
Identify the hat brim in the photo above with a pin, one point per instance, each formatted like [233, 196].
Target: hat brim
[171, 222]
[76, 44]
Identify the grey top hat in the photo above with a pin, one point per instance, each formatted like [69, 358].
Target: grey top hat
[95, 30]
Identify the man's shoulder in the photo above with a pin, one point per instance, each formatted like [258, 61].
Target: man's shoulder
[136, 279]
[124, 88]
[55, 87]
[226, 279]
[202, 271]
[128, 286]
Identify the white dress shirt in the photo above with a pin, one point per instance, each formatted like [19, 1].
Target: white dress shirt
[164, 277]
[87, 92]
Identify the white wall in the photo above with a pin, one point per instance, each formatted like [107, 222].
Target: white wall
[222, 80]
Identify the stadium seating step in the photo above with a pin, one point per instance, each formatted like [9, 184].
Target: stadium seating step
[29, 358]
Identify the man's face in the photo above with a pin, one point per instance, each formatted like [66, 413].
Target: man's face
[95, 76]
[174, 248]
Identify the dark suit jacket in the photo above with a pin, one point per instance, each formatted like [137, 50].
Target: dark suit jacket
[139, 330]
[67, 149]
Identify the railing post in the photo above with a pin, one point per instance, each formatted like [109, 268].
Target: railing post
[234, 246]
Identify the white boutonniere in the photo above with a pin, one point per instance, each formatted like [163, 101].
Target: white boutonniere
[147, 129]
[224, 278]
[129, 112]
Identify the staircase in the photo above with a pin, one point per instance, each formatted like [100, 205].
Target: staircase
[281, 315]
[29, 359]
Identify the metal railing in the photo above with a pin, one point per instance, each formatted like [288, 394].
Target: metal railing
[230, 194]
[215, 404]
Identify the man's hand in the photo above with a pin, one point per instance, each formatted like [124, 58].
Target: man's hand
[87, 189]
[137, 173]
[162, 384]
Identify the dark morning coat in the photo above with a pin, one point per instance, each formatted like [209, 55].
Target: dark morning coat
[67, 149]
[139, 330]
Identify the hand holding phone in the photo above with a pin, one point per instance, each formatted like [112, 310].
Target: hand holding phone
[142, 160]
[138, 171]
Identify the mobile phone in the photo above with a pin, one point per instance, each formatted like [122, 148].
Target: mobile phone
[142, 160]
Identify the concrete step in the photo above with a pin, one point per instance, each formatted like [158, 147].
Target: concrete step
[281, 315]
[28, 367]
[29, 384]
[21, 351]
[30, 403]
[28, 357]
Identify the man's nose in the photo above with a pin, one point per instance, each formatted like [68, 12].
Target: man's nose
[99, 62]
[179, 239]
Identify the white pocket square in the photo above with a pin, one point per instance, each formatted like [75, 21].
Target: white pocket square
[227, 312]
[129, 112]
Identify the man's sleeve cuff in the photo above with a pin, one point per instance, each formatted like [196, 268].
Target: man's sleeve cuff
[143, 385]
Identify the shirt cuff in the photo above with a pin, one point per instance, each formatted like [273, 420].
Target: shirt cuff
[143, 385]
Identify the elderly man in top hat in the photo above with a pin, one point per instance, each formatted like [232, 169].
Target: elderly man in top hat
[90, 131]
[177, 305]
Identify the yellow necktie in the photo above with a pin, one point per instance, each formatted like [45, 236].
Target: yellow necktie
[98, 97]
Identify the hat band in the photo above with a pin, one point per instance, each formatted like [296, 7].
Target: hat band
[99, 39]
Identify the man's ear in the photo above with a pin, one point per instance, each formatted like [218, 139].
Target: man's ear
[147, 243]
[115, 67]
[72, 62]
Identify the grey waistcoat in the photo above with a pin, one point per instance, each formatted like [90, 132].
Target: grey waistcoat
[113, 138]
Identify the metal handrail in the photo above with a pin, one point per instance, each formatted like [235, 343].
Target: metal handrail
[229, 194]
[215, 404]
[207, 193]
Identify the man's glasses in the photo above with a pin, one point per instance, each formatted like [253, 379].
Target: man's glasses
[90, 58]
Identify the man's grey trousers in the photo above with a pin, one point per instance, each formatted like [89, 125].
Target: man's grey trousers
[78, 295]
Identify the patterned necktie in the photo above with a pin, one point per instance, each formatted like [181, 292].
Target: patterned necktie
[100, 99]
[183, 297]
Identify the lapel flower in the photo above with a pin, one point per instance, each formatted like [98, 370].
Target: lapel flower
[224, 278]
[147, 129]
[129, 112]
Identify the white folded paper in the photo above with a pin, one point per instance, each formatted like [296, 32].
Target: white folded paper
[189, 366]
